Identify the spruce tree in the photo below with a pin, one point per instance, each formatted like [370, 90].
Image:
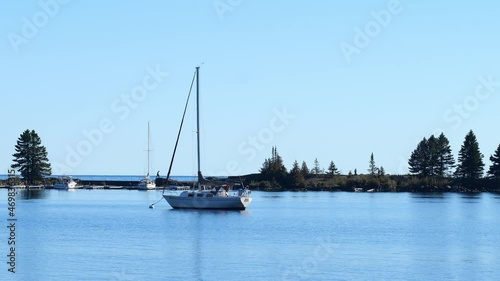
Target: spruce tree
[494, 171]
[273, 168]
[418, 159]
[445, 158]
[432, 156]
[297, 179]
[381, 171]
[316, 170]
[304, 169]
[332, 169]
[470, 160]
[30, 158]
[372, 168]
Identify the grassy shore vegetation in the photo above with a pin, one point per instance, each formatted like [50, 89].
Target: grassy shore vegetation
[432, 169]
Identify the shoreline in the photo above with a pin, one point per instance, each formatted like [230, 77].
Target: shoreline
[127, 187]
[338, 183]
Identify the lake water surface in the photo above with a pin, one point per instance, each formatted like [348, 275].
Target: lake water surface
[113, 235]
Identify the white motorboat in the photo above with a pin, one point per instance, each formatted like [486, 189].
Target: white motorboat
[65, 182]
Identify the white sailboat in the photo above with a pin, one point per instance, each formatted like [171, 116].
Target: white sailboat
[209, 195]
[146, 183]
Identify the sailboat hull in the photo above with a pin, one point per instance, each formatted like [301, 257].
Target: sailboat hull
[209, 203]
[146, 186]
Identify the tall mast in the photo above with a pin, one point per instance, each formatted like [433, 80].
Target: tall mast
[198, 121]
[148, 149]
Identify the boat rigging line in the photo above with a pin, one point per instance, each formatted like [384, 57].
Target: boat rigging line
[176, 142]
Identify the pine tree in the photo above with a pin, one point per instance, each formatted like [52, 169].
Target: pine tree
[30, 158]
[470, 160]
[332, 169]
[445, 159]
[494, 171]
[273, 168]
[277, 163]
[432, 156]
[304, 169]
[316, 170]
[418, 159]
[381, 171]
[355, 172]
[297, 179]
[372, 169]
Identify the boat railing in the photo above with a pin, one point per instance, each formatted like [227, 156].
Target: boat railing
[244, 192]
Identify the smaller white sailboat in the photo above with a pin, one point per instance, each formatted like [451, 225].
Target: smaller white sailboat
[146, 183]
[65, 182]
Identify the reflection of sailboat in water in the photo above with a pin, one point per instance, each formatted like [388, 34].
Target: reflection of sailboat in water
[146, 183]
[210, 194]
[197, 248]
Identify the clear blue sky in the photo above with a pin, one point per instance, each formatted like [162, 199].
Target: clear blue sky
[347, 78]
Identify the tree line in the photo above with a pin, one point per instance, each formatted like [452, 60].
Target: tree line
[433, 158]
[431, 167]
[273, 175]
[431, 164]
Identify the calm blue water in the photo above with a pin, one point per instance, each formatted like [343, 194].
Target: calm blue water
[112, 235]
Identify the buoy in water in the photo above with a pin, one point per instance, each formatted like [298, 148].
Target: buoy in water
[152, 206]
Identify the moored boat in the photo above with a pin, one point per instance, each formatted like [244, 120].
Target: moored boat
[146, 183]
[65, 182]
[210, 194]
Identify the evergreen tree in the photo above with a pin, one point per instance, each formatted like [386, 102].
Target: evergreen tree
[418, 159]
[266, 167]
[494, 170]
[273, 167]
[350, 173]
[278, 165]
[355, 172]
[30, 158]
[432, 156]
[316, 170]
[381, 171]
[372, 169]
[304, 169]
[297, 179]
[470, 160]
[332, 169]
[445, 160]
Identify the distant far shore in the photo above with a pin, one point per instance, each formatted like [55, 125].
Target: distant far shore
[373, 183]
[126, 187]
[345, 183]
